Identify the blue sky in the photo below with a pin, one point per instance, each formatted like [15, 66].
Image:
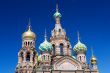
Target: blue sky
[90, 17]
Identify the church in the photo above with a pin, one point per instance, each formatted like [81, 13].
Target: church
[56, 54]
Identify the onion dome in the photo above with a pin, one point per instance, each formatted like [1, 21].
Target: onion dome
[29, 33]
[57, 13]
[93, 59]
[45, 46]
[39, 58]
[80, 47]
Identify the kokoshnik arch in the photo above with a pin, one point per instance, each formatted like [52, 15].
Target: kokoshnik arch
[55, 55]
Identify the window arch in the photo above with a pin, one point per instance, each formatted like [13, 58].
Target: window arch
[80, 58]
[44, 57]
[53, 49]
[48, 57]
[61, 49]
[26, 43]
[28, 57]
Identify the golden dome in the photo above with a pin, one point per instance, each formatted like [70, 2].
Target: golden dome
[93, 60]
[29, 34]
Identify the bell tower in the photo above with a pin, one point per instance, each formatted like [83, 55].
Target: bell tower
[80, 51]
[27, 56]
[59, 40]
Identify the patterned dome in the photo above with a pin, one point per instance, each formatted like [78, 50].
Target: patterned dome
[57, 14]
[80, 47]
[45, 46]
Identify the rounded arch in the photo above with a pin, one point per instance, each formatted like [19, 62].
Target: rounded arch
[67, 63]
[61, 46]
[54, 51]
[26, 43]
[28, 54]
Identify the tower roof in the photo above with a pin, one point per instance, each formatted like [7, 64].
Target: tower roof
[57, 13]
[80, 47]
[45, 46]
[29, 33]
[93, 58]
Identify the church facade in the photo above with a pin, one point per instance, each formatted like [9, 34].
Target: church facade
[55, 55]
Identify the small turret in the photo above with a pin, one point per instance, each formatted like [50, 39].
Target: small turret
[45, 49]
[93, 62]
[80, 50]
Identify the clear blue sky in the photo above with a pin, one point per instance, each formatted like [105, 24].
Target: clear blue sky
[90, 17]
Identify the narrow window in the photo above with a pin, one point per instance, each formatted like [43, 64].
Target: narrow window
[53, 49]
[28, 43]
[61, 49]
[28, 57]
[48, 57]
[80, 58]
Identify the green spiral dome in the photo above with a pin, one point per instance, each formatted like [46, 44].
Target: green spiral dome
[45, 46]
[57, 14]
[80, 48]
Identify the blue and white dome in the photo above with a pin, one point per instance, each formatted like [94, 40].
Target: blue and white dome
[45, 46]
[80, 47]
[57, 13]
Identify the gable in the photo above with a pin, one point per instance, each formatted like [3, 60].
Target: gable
[67, 63]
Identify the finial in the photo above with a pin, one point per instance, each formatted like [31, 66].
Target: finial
[78, 36]
[56, 7]
[92, 52]
[45, 36]
[29, 25]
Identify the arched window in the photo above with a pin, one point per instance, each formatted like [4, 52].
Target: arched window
[53, 49]
[68, 46]
[28, 57]
[48, 58]
[80, 58]
[61, 49]
[44, 57]
[26, 43]
[59, 30]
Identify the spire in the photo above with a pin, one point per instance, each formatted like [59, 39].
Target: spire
[57, 13]
[45, 36]
[92, 52]
[78, 36]
[29, 25]
[93, 58]
[56, 7]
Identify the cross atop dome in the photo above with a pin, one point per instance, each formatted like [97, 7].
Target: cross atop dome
[45, 35]
[57, 15]
[78, 36]
[29, 25]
